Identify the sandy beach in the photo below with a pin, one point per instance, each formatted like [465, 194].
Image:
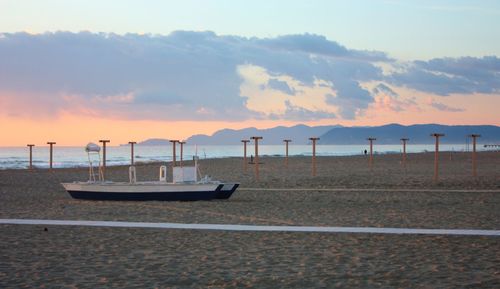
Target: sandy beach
[345, 192]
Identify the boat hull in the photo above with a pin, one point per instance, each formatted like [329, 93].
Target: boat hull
[143, 191]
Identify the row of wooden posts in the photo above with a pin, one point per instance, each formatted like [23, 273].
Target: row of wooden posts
[370, 160]
[286, 141]
[104, 142]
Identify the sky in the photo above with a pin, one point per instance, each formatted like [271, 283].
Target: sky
[79, 71]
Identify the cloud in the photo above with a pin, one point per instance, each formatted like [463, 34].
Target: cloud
[195, 76]
[319, 45]
[444, 76]
[443, 107]
[387, 99]
[293, 112]
[172, 77]
[382, 88]
[184, 75]
[281, 86]
[351, 99]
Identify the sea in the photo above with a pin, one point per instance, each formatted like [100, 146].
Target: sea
[69, 157]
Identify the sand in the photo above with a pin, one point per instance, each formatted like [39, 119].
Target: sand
[345, 192]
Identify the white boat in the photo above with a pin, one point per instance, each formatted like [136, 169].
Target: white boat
[185, 185]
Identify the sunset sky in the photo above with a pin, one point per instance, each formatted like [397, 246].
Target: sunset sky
[79, 71]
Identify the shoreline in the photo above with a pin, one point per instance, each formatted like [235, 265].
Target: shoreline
[71, 157]
[169, 162]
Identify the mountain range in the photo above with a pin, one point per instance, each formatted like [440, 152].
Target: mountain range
[299, 134]
[418, 134]
[340, 135]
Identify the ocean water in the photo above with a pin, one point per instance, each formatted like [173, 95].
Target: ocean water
[63, 157]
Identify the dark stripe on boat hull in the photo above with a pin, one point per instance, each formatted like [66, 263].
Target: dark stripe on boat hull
[226, 194]
[155, 196]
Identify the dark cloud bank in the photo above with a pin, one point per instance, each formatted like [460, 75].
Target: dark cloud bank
[193, 75]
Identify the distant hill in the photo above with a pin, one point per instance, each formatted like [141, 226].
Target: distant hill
[299, 135]
[154, 142]
[418, 134]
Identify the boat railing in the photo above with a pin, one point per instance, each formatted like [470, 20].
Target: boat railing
[132, 175]
[163, 173]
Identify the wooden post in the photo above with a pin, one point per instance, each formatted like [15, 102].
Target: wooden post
[51, 143]
[245, 163]
[404, 140]
[104, 142]
[474, 164]
[132, 143]
[370, 162]
[182, 152]
[286, 151]
[314, 139]
[31, 156]
[256, 140]
[436, 156]
[173, 151]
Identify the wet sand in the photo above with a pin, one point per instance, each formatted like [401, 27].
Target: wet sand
[345, 192]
